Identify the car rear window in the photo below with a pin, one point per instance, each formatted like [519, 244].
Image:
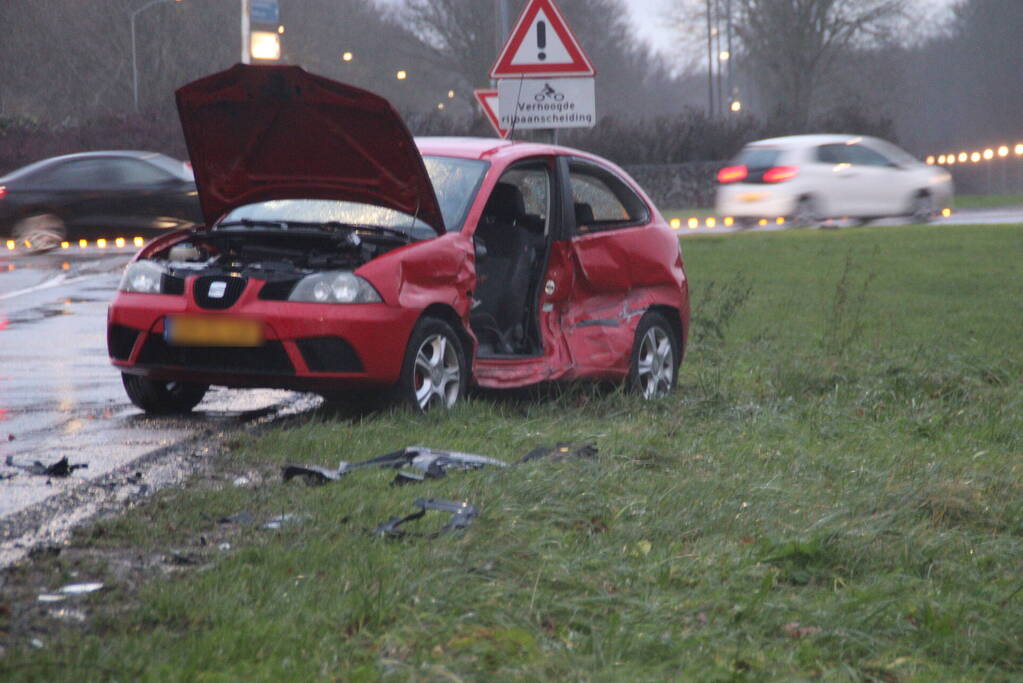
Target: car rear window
[758, 157]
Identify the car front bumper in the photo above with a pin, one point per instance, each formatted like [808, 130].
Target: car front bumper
[306, 347]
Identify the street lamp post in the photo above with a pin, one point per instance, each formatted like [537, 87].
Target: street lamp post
[134, 60]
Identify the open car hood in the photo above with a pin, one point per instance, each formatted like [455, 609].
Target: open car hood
[256, 133]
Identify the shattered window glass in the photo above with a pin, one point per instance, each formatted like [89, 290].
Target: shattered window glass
[602, 201]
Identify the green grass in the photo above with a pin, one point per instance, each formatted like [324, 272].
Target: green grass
[835, 492]
[985, 201]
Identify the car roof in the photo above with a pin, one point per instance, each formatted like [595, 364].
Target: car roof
[99, 154]
[810, 140]
[494, 148]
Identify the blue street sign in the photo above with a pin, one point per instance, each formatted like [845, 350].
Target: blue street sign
[265, 12]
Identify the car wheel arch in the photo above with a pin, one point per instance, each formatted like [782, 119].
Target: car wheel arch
[450, 316]
[673, 317]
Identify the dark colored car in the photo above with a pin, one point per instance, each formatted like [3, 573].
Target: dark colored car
[97, 194]
[341, 256]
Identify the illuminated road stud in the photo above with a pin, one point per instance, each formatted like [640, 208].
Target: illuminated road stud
[10, 245]
[82, 244]
[675, 223]
[729, 221]
[711, 222]
[101, 243]
[138, 241]
[694, 223]
[119, 242]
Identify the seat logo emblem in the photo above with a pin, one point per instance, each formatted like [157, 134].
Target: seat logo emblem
[217, 290]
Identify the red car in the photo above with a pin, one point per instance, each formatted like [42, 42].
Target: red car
[339, 256]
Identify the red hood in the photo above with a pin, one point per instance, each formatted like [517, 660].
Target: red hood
[278, 132]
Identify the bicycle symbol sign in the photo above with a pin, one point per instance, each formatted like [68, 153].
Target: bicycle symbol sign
[549, 93]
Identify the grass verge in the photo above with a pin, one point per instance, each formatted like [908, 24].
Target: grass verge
[834, 492]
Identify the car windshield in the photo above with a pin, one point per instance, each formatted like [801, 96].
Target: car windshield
[455, 182]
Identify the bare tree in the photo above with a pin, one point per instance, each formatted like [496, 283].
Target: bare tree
[788, 48]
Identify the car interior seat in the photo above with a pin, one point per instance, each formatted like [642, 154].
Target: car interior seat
[505, 275]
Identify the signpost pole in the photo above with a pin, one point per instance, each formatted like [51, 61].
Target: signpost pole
[246, 10]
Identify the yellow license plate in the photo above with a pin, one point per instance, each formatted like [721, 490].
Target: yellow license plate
[752, 196]
[190, 330]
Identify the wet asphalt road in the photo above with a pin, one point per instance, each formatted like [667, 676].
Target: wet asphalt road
[60, 397]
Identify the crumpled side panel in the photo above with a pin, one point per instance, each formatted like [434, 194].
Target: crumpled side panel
[438, 271]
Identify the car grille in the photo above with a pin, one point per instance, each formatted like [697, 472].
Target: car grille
[329, 354]
[230, 288]
[271, 358]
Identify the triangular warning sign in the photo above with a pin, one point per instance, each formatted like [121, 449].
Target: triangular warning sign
[488, 101]
[541, 45]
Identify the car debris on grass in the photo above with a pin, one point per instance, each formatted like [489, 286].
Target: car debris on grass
[432, 463]
[462, 515]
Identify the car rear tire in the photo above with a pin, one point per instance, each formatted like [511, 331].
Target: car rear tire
[163, 398]
[40, 232]
[653, 365]
[806, 213]
[922, 208]
[434, 373]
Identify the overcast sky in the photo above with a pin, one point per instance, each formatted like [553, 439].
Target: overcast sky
[648, 17]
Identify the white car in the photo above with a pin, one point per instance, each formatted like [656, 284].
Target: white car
[808, 178]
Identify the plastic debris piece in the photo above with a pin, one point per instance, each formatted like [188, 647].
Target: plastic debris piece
[61, 468]
[80, 588]
[433, 463]
[462, 514]
[282, 520]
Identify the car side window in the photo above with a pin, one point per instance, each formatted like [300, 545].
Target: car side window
[832, 154]
[133, 172]
[83, 174]
[602, 201]
[864, 156]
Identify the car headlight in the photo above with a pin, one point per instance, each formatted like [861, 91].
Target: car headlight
[336, 287]
[143, 277]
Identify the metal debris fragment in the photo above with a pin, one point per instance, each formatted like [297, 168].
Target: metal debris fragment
[61, 468]
[462, 514]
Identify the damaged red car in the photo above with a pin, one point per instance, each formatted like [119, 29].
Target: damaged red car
[341, 256]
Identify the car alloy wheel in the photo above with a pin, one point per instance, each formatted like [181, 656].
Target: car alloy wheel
[41, 232]
[434, 371]
[806, 214]
[653, 368]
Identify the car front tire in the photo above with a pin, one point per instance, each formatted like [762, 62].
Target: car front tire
[653, 365]
[434, 373]
[163, 398]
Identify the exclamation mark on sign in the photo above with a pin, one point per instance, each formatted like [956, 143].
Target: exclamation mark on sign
[541, 40]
